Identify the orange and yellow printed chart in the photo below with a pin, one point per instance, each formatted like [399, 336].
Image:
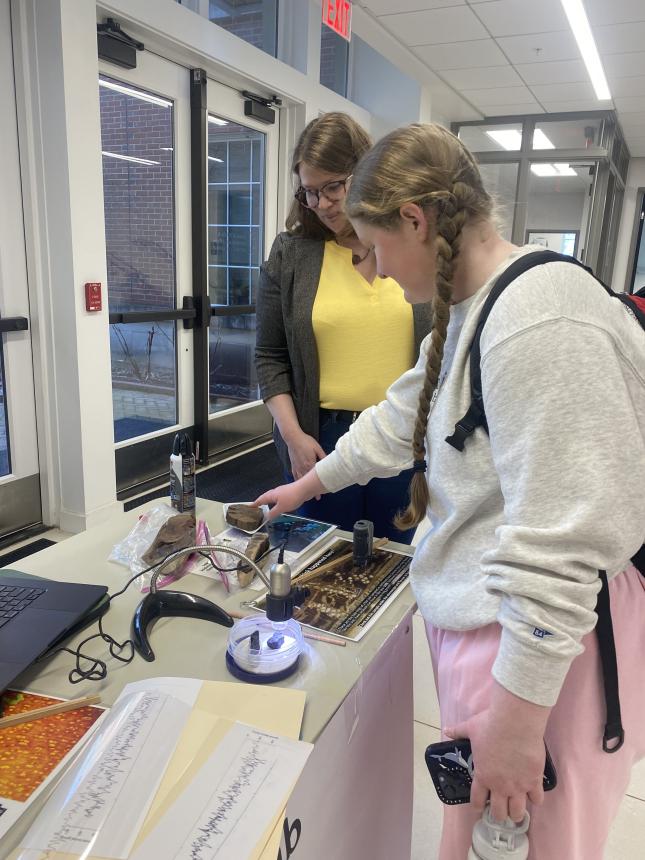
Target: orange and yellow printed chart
[33, 754]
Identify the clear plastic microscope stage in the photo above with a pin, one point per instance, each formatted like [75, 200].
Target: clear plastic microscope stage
[264, 651]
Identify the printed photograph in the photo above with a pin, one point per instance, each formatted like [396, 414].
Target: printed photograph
[344, 598]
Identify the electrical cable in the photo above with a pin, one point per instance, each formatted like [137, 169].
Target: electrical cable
[98, 669]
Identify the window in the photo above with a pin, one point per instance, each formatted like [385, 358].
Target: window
[236, 168]
[255, 21]
[638, 270]
[492, 138]
[558, 206]
[334, 59]
[568, 134]
[138, 188]
[500, 180]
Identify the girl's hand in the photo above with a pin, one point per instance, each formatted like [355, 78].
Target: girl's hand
[289, 497]
[507, 741]
[304, 452]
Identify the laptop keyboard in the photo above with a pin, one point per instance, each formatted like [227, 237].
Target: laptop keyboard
[13, 599]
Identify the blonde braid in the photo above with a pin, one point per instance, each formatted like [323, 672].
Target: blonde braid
[429, 166]
[451, 216]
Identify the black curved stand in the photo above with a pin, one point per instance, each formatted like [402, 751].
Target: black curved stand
[159, 604]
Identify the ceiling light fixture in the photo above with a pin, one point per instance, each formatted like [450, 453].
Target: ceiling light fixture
[135, 94]
[544, 170]
[217, 121]
[212, 158]
[541, 141]
[581, 29]
[129, 158]
[553, 170]
[511, 139]
[508, 138]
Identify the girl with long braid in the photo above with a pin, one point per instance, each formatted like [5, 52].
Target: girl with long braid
[520, 522]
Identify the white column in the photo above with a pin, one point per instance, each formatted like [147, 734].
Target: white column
[60, 140]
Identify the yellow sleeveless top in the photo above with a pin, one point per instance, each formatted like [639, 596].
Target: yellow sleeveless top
[364, 333]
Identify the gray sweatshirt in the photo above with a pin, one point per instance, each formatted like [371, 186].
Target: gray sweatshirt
[522, 520]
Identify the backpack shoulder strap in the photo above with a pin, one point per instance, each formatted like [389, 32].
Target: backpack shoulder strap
[636, 303]
[476, 415]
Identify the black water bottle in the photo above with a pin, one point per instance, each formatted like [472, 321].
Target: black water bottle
[182, 474]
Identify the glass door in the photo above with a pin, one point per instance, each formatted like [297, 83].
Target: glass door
[148, 147]
[242, 208]
[20, 505]
[145, 150]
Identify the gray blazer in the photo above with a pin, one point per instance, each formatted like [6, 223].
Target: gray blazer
[286, 357]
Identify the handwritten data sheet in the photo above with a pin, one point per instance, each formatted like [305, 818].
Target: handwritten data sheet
[232, 800]
[99, 806]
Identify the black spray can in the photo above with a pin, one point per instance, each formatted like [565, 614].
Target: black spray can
[182, 474]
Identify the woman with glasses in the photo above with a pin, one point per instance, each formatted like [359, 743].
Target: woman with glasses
[332, 336]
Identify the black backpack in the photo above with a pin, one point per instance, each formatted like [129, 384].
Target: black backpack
[614, 733]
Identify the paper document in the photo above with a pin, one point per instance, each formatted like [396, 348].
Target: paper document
[169, 748]
[100, 805]
[227, 808]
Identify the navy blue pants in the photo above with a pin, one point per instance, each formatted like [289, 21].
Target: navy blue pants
[378, 501]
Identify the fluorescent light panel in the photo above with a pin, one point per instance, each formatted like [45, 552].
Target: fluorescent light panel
[508, 138]
[579, 24]
[541, 141]
[511, 139]
[135, 94]
[544, 170]
[128, 158]
[217, 121]
[553, 170]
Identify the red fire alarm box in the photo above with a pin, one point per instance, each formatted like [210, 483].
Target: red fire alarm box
[93, 297]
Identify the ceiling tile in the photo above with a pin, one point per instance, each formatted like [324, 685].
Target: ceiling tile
[624, 65]
[517, 17]
[477, 79]
[389, 7]
[462, 55]
[620, 38]
[564, 92]
[541, 48]
[435, 26]
[602, 12]
[566, 72]
[511, 110]
[498, 96]
[630, 104]
[579, 105]
[629, 87]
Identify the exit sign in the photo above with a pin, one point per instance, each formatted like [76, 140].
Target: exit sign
[337, 14]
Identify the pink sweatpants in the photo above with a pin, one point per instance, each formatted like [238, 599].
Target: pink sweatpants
[574, 821]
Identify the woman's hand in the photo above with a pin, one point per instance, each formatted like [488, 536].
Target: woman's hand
[304, 453]
[289, 497]
[507, 741]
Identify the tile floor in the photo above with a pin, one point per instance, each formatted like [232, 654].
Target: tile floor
[627, 840]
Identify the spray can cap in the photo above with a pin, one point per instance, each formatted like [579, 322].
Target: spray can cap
[182, 445]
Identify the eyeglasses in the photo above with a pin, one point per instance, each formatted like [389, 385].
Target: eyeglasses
[332, 191]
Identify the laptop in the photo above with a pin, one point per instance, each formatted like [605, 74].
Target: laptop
[36, 613]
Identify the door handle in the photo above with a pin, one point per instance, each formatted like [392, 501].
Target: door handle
[13, 324]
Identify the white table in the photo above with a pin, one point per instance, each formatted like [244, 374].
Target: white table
[354, 799]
